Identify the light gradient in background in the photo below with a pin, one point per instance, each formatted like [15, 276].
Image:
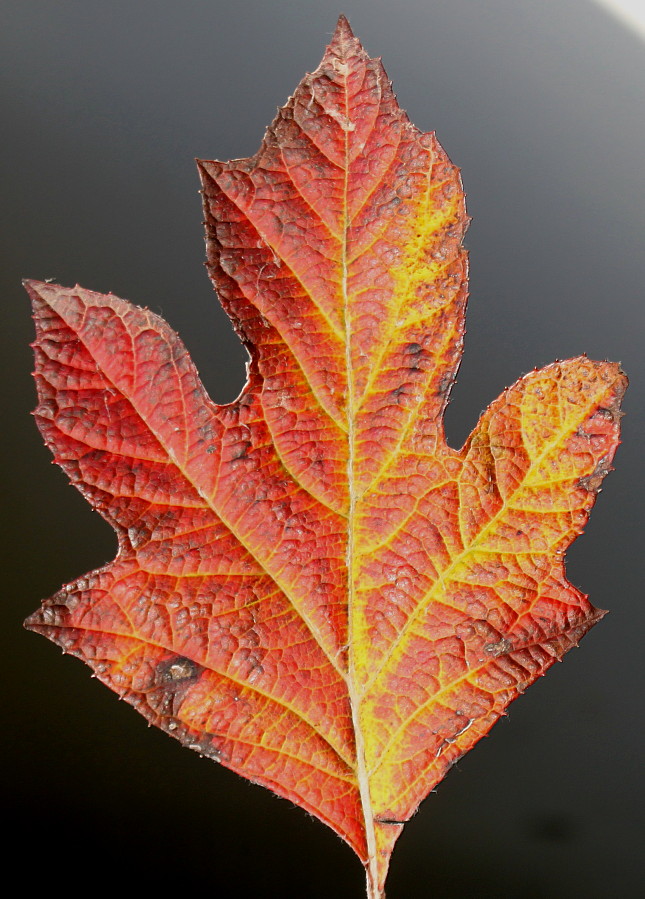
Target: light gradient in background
[541, 104]
[631, 12]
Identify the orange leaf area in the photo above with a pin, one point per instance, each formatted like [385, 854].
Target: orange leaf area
[311, 587]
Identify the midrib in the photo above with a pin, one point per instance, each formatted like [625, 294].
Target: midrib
[361, 766]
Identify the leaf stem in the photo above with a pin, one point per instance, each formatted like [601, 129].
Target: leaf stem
[373, 891]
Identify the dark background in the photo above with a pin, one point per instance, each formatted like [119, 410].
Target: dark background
[105, 105]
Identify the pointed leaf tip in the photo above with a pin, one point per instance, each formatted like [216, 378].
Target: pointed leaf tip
[30, 285]
[343, 28]
[343, 32]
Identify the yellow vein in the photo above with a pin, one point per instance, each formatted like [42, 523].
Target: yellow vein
[457, 682]
[253, 688]
[271, 246]
[308, 204]
[411, 418]
[372, 548]
[399, 294]
[314, 631]
[318, 495]
[472, 547]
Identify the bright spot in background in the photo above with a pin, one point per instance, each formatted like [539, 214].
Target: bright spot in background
[630, 12]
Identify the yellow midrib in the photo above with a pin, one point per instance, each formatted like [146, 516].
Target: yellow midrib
[361, 765]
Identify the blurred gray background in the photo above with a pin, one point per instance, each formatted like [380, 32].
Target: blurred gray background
[104, 107]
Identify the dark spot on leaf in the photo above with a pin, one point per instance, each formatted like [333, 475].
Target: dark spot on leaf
[415, 354]
[445, 384]
[398, 393]
[500, 648]
[172, 679]
[178, 669]
[592, 482]
[138, 536]
[242, 451]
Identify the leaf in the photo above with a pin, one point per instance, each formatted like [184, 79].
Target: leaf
[311, 586]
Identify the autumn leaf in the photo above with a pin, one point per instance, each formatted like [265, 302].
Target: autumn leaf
[311, 587]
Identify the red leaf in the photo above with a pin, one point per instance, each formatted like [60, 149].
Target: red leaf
[311, 586]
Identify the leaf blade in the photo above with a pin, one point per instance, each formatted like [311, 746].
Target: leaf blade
[181, 571]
